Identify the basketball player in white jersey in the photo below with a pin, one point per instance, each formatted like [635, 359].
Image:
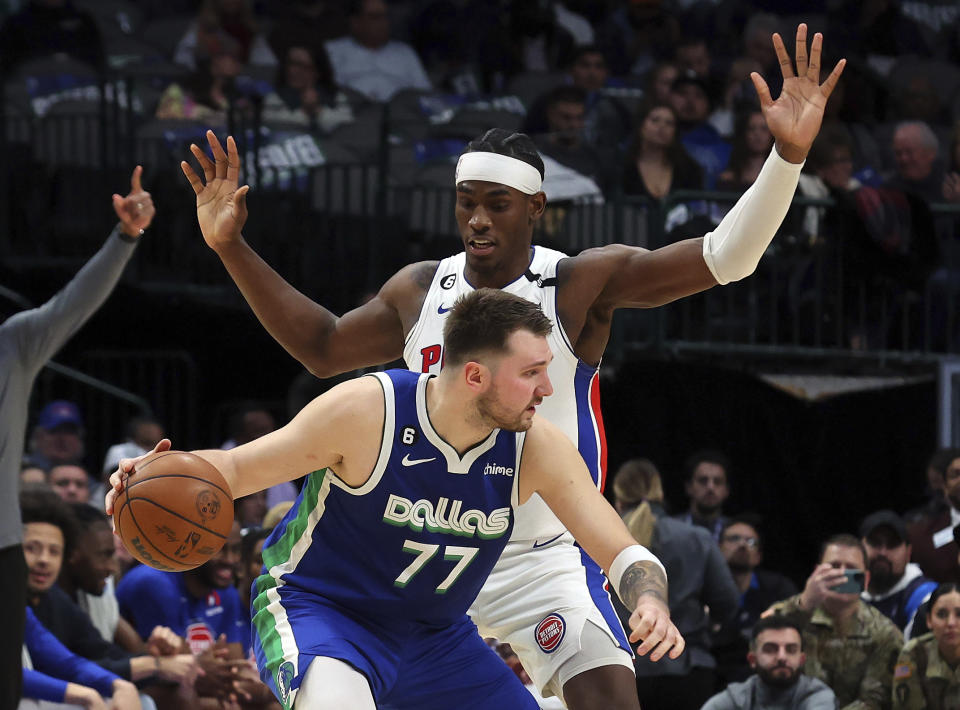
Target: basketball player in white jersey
[543, 589]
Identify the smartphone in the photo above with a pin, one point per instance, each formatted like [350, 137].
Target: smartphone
[854, 583]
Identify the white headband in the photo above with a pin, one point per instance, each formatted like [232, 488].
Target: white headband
[493, 167]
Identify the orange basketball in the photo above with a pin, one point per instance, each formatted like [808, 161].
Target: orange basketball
[175, 512]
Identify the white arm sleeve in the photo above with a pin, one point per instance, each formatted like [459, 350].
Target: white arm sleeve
[733, 250]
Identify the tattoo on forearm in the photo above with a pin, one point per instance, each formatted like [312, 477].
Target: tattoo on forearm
[642, 578]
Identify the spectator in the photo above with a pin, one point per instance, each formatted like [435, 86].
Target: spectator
[50, 534]
[144, 595]
[690, 97]
[531, 41]
[607, 120]
[657, 162]
[925, 677]
[31, 475]
[564, 142]
[699, 581]
[206, 94]
[659, 84]
[742, 548]
[777, 657]
[87, 578]
[305, 94]
[936, 503]
[919, 169]
[70, 482]
[251, 563]
[142, 434]
[251, 421]
[58, 435]
[851, 646]
[752, 142]
[829, 174]
[54, 674]
[201, 605]
[897, 587]
[706, 479]
[305, 23]
[368, 61]
[931, 538]
[693, 55]
[27, 341]
[251, 509]
[637, 35]
[47, 27]
[221, 23]
[739, 96]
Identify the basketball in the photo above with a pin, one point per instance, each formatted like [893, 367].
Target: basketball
[175, 512]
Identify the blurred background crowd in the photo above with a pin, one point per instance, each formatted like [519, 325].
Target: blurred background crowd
[827, 379]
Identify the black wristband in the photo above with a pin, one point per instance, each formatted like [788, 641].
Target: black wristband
[126, 237]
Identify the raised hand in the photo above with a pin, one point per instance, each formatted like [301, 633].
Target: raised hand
[794, 118]
[136, 210]
[221, 206]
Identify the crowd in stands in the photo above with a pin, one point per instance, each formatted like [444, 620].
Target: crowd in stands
[630, 98]
[875, 625]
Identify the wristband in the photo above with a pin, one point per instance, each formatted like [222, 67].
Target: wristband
[628, 556]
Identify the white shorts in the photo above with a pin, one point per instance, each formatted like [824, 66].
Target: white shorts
[539, 600]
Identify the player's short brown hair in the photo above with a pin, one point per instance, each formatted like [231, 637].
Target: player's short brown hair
[481, 321]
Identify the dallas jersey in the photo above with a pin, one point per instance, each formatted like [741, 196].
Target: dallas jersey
[574, 405]
[413, 543]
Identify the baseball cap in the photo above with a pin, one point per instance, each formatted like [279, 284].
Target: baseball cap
[689, 76]
[880, 518]
[59, 412]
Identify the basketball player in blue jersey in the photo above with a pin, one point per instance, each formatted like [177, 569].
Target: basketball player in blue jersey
[367, 580]
[541, 575]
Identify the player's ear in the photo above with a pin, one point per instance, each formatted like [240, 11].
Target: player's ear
[536, 205]
[477, 376]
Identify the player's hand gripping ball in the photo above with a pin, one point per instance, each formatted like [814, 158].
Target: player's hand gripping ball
[174, 512]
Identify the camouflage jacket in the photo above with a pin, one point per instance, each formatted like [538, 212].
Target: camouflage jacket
[858, 663]
[922, 679]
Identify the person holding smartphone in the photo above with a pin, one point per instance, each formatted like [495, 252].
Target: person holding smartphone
[850, 645]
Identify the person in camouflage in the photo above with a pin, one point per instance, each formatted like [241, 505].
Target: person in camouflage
[850, 646]
[927, 676]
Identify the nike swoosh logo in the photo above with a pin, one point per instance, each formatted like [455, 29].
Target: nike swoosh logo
[441, 310]
[407, 461]
[537, 543]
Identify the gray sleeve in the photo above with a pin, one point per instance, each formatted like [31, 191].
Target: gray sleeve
[40, 332]
[720, 592]
[821, 699]
[720, 701]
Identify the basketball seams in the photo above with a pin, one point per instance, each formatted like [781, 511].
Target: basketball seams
[178, 475]
[146, 538]
[176, 515]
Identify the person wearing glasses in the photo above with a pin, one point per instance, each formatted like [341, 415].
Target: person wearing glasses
[740, 545]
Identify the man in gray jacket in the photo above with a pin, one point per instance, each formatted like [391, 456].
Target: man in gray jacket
[776, 655]
[27, 342]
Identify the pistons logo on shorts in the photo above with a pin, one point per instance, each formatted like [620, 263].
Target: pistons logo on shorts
[549, 632]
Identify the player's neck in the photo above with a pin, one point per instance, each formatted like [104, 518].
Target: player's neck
[196, 587]
[501, 273]
[450, 416]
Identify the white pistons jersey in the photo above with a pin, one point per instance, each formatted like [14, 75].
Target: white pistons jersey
[574, 405]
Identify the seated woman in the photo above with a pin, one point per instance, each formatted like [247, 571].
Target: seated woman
[752, 141]
[657, 162]
[926, 674]
[205, 94]
[221, 21]
[305, 93]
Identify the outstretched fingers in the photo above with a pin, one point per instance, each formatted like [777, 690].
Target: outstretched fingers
[831, 82]
[801, 50]
[218, 155]
[816, 47]
[233, 161]
[195, 182]
[763, 91]
[786, 66]
[209, 170]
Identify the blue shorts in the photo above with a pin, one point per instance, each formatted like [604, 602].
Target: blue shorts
[409, 666]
